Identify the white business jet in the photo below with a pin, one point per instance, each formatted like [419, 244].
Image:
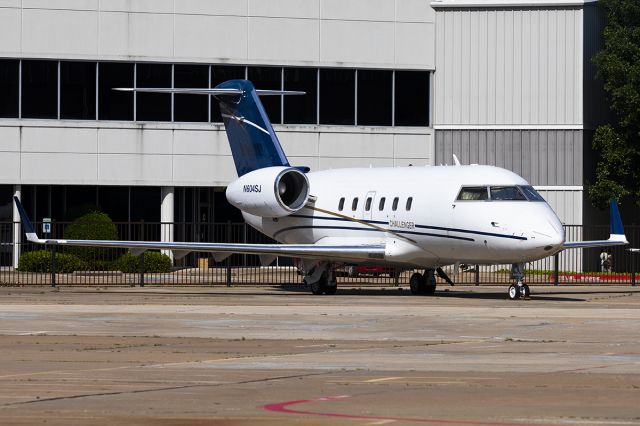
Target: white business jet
[404, 217]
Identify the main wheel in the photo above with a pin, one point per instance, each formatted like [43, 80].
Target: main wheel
[319, 286]
[429, 287]
[331, 289]
[429, 290]
[417, 283]
[514, 292]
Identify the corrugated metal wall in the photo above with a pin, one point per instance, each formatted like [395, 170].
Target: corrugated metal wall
[509, 66]
[542, 157]
[566, 203]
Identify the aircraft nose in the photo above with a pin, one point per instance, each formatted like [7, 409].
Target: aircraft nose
[547, 234]
[552, 235]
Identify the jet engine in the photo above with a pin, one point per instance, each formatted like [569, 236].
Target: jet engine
[270, 192]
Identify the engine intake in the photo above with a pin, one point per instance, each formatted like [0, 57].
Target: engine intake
[270, 192]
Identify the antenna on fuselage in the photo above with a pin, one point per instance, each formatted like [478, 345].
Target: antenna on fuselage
[455, 160]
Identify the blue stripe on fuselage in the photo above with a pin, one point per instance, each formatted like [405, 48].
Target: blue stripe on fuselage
[354, 228]
[435, 228]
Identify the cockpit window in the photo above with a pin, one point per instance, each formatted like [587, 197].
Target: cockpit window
[531, 194]
[472, 193]
[507, 193]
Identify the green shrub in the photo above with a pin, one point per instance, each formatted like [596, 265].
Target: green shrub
[154, 262]
[40, 261]
[92, 226]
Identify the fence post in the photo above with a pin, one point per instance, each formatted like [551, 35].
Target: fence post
[228, 260]
[142, 255]
[556, 268]
[477, 274]
[633, 270]
[53, 265]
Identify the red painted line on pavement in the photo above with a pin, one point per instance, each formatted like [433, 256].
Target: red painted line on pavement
[281, 407]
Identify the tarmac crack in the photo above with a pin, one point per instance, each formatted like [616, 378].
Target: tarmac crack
[136, 391]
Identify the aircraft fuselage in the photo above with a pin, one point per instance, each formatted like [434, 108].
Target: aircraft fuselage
[434, 228]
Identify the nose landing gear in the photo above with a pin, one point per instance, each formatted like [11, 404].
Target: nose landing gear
[519, 290]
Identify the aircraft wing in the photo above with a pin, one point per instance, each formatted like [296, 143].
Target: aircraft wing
[351, 252]
[616, 237]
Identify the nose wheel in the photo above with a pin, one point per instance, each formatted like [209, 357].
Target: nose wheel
[519, 291]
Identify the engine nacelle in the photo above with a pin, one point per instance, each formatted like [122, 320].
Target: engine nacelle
[270, 192]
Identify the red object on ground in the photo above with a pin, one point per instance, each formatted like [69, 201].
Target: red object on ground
[591, 277]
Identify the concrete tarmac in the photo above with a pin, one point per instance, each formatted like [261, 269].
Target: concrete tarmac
[277, 355]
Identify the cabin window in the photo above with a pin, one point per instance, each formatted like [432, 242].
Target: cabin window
[341, 204]
[367, 205]
[409, 202]
[473, 193]
[394, 206]
[381, 204]
[354, 204]
[531, 193]
[506, 193]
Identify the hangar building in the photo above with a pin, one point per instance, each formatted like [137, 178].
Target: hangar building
[388, 82]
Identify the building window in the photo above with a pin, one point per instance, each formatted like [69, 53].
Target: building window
[412, 98]
[337, 96]
[78, 90]
[145, 202]
[268, 78]
[9, 81]
[193, 108]
[381, 204]
[374, 97]
[221, 74]
[354, 204]
[409, 202]
[39, 89]
[394, 206]
[113, 105]
[341, 204]
[114, 201]
[333, 96]
[153, 106]
[301, 109]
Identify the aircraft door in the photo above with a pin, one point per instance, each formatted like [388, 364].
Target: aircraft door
[367, 207]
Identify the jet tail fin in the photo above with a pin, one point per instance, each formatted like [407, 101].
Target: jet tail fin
[26, 223]
[616, 233]
[253, 142]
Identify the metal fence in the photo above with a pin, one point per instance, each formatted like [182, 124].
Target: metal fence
[579, 266]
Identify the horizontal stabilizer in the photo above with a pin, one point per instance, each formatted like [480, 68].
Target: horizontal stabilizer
[616, 235]
[347, 252]
[204, 91]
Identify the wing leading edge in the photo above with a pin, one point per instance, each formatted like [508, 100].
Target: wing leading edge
[616, 237]
[313, 251]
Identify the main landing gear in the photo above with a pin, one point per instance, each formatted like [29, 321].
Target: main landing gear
[423, 283]
[519, 290]
[320, 279]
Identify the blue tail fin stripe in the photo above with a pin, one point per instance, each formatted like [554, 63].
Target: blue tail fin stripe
[28, 227]
[615, 220]
[253, 142]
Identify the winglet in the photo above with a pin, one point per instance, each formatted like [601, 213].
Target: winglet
[28, 227]
[614, 218]
[616, 237]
